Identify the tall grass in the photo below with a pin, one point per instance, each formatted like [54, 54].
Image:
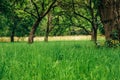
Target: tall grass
[70, 60]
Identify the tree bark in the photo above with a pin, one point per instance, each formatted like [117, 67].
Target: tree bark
[46, 34]
[107, 20]
[94, 30]
[32, 32]
[94, 34]
[49, 23]
[93, 23]
[118, 17]
[110, 17]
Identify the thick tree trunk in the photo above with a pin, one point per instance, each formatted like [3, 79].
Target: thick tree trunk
[32, 32]
[110, 14]
[118, 17]
[107, 20]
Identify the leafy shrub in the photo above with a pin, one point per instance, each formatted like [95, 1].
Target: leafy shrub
[108, 43]
[112, 43]
[114, 35]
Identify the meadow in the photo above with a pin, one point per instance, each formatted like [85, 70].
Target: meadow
[58, 60]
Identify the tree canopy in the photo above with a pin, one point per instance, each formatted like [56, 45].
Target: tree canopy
[65, 17]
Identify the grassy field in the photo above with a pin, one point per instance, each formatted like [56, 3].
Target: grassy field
[58, 60]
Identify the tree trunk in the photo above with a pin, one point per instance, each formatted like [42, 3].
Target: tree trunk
[94, 35]
[118, 18]
[110, 14]
[107, 19]
[40, 17]
[94, 31]
[93, 23]
[12, 35]
[32, 32]
[46, 34]
[13, 31]
[49, 23]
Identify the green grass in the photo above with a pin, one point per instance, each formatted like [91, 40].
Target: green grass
[70, 60]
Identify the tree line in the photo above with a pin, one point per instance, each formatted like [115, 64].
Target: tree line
[60, 17]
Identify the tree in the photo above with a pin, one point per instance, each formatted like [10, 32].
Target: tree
[4, 29]
[38, 9]
[92, 16]
[48, 28]
[8, 10]
[110, 17]
[16, 18]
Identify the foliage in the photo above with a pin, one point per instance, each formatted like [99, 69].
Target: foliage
[23, 27]
[108, 44]
[4, 29]
[4, 7]
[66, 19]
[112, 43]
[69, 17]
[101, 29]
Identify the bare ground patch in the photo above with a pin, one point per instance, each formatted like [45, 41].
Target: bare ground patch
[52, 38]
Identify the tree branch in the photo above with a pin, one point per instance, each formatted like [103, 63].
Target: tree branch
[88, 32]
[49, 8]
[83, 17]
[36, 7]
[42, 4]
[30, 13]
[83, 27]
[73, 6]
